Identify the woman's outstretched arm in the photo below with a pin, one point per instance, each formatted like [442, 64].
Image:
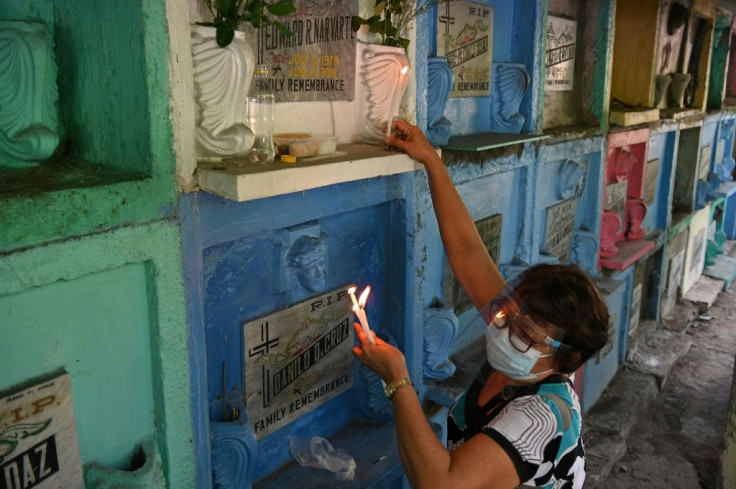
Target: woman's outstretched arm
[467, 253]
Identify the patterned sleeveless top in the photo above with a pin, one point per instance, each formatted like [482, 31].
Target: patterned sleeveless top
[538, 425]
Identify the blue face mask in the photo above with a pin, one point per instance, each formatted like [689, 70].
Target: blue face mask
[505, 358]
[509, 331]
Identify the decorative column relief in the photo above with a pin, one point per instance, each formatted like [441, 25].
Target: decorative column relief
[234, 450]
[510, 82]
[381, 77]
[439, 83]
[440, 329]
[29, 96]
[636, 210]
[221, 80]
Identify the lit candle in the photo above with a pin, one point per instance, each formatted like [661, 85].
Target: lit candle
[358, 309]
[394, 101]
[351, 291]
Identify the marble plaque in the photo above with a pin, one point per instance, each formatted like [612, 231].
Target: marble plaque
[465, 39]
[560, 228]
[316, 63]
[720, 151]
[677, 266]
[651, 177]
[616, 201]
[297, 359]
[560, 56]
[38, 437]
[705, 153]
[608, 347]
[635, 309]
[697, 258]
[490, 231]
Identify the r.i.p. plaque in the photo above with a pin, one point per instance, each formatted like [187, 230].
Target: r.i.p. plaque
[297, 359]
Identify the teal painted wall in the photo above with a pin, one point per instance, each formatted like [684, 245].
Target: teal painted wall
[117, 164]
[109, 308]
[96, 328]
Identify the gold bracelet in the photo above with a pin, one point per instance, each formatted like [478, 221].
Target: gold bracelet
[390, 389]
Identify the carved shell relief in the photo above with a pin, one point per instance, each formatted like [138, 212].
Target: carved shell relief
[510, 82]
[382, 74]
[570, 179]
[222, 77]
[29, 96]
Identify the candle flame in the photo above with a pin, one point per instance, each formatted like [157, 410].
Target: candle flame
[404, 70]
[364, 296]
[352, 290]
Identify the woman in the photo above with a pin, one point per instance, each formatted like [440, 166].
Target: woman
[519, 422]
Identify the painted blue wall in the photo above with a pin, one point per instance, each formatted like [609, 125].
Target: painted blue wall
[663, 146]
[235, 274]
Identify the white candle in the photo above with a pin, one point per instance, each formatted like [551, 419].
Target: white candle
[359, 311]
[351, 291]
[395, 100]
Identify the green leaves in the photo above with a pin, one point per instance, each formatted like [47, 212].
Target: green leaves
[281, 8]
[229, 14]
[392, 17]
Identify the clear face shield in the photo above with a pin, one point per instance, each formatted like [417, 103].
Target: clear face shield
[512, 333]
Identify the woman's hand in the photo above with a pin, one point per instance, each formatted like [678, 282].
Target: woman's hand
[388, 362]
[412, 141]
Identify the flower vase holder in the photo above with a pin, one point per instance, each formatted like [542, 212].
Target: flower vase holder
[510, 83]
[146, 471]
[381, 76]
[29, 96]
[222, 77]
[440, 78]
[233, 453]
[440, 330]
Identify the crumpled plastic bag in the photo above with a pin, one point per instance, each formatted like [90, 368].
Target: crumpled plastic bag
[319, 453]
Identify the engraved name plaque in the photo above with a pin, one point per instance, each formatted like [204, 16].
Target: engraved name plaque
[560, 228]
[650, 181]
[490, 231]
[297, 359]
[38, 437]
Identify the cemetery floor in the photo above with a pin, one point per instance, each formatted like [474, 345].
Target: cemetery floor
[661, 421]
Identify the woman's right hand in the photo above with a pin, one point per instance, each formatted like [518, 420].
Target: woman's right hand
[412, 141]
[384, 359]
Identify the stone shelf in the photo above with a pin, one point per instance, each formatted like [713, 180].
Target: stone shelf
[237, 180]
[629, 252]
[489, 140]
[373, 447]
[468, 363]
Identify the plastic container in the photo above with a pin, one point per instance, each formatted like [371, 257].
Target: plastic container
[259, 116]
[303, 145]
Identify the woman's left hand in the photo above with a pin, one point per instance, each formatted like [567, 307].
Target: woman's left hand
[384, 359]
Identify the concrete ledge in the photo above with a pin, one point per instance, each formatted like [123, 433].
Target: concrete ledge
[601, 454]
[623, 402]
[705, 292]
[657, 353]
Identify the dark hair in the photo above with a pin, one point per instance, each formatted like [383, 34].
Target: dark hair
[566, 297]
